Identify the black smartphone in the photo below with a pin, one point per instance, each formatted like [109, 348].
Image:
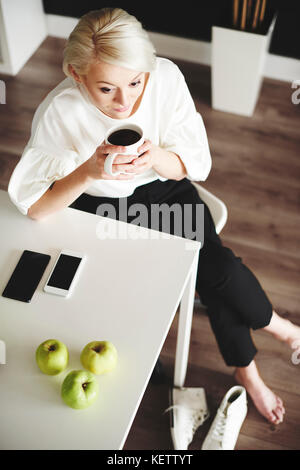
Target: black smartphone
[26, 276]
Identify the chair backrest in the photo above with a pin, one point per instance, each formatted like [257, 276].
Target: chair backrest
[217, 207]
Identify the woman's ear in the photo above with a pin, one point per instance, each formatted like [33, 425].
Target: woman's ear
[74, 74]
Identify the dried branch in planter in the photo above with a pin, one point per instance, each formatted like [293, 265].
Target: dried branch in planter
[235, 12]
[243, 22]
[262, 13]
[257, 5]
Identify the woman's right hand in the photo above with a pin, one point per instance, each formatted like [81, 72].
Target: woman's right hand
[95, 164]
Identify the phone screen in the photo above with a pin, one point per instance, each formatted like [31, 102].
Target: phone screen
[64, 271]
[26, 276]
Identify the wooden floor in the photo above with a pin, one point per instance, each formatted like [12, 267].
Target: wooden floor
[256, 172]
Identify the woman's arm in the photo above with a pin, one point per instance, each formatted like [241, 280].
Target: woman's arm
[65, 190]
[60, 194]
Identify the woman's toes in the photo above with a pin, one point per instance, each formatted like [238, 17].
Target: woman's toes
[280, 404]
[270, 406]
[279, 401]
[272, 417]
[282, 409]
[278, 413]
[266, 401]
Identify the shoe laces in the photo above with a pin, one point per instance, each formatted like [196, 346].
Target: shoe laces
[220, 426]
[220, 433]
[192, 418]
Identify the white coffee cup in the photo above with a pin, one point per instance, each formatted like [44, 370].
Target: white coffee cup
[131, 149]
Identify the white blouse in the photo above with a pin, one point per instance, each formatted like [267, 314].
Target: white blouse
[67, 128]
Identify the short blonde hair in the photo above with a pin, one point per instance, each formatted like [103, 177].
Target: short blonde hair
[108, 35]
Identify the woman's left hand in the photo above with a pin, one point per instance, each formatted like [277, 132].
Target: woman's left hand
[166, 163]
[147, 160]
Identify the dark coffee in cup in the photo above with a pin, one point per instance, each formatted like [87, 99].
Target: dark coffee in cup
[129, 136]
[124, 137]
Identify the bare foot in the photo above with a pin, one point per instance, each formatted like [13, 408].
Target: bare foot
[284, 330]
[266, 402]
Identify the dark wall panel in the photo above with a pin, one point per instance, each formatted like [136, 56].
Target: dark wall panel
[193, 19]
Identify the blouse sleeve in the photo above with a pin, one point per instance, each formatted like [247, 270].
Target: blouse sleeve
[35, 172]
[185, 133]
[48, 156]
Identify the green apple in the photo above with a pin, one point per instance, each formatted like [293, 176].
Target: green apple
[52, 356]
[79, 389]
[99, 357]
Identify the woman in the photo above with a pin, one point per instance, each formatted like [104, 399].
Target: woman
[114, 75]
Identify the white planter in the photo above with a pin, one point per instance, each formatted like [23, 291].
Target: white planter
[22, 30]
[237, 69]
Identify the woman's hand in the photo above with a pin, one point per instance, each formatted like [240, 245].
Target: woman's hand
[94, 166]
[166, 163]
[149, 154]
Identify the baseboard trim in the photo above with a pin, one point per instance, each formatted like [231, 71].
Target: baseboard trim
[276, 67]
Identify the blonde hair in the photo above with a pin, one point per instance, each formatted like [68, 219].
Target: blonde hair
[108, 35]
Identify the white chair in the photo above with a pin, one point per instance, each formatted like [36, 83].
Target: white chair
[217, 207]
[218, 212]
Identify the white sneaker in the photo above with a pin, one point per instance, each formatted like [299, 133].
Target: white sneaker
[226, 426]
[188, 411]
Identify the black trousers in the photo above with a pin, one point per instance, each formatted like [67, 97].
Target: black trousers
[235, 300]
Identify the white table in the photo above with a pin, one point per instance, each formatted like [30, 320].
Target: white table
[128, 293]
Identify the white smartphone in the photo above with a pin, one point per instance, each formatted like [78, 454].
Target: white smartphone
[65, 273]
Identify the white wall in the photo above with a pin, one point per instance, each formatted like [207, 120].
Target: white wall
[24, 25]
[22, 30]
